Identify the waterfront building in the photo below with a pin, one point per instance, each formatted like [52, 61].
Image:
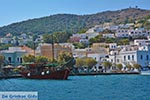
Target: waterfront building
[99, 53]
[130, 55]
[13, 55]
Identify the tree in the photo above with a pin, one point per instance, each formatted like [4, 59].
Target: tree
[123, 42]
[129, 66]
[2, 58]
[29, 58]
[82, 30]
[80, 45]
[5, 46]
[32, 45]
[137, 66]
[119, 66]
[79, 62]
[110, 40]
[97, 39]
[60, 37]
[89, 62]
[57, 37]
[107, 65]
[85, 62]
[41, 59]
[64, 56]
[47, 38]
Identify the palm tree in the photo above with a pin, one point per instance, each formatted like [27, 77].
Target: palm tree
[119, 66]
[137, 66]
[129, 66]
[107, 65]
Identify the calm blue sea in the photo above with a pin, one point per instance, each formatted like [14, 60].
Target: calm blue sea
[113, 87]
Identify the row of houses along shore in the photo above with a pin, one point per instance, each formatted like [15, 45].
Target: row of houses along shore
[137, 52]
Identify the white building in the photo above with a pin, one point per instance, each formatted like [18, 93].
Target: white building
[95, 29]
[70, 45]
[141, 42]
[108, 35]
[131, 55]
[92, 35]
[137, 33]
[112, 45]
[82, 36]
[122, 33]
[6, 40]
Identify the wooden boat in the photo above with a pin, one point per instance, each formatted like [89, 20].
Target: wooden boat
[61, 74]
[47, 71]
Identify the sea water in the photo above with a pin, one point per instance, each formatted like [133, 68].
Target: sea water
[109, 87]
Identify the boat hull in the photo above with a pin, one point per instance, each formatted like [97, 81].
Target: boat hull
[60, 75]
[145, 72]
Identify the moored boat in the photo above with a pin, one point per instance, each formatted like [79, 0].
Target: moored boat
[47, 71]
[61, 74]
[147, 72]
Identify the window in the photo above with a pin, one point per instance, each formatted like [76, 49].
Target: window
[9, 59]
[118, 60]
[124, 58]
[147, 57]
[111, 60]
[132, 57]
[18, 59]
[141, 56]
[128, 57]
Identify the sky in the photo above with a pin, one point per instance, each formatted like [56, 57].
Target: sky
[12, 11]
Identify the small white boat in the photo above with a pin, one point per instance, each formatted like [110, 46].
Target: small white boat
[147, 72]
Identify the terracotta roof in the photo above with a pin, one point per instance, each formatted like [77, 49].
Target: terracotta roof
[26, 48]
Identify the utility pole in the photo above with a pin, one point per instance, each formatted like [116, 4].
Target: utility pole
[34, 48]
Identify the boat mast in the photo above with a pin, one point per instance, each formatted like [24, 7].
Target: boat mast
[52, 48]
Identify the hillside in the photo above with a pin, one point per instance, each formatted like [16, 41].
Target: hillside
[72, 23]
